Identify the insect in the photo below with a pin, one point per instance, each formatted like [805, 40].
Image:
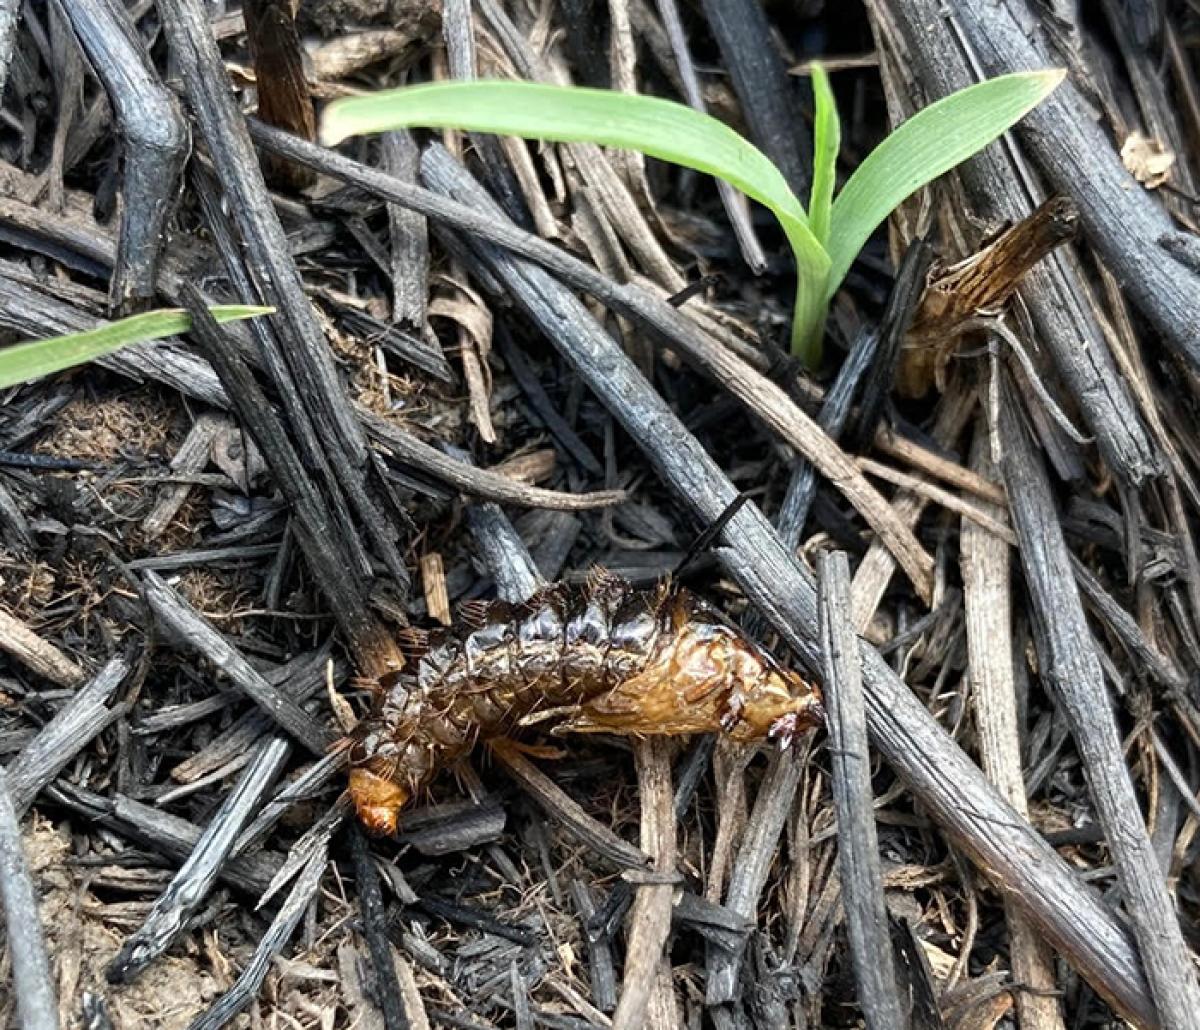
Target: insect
[601, 657]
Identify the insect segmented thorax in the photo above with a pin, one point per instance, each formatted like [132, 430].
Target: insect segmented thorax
[601, 658]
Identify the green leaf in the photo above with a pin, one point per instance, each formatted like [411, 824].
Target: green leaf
[827, 141]
[931, 142]
[33, 358]
[565, 114]
[570, 114]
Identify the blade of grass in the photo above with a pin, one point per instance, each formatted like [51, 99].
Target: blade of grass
[657, 127]
[570, 114]
[827, 140]
[930, 143]
[33, 358]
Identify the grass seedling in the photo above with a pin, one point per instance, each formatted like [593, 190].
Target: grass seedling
[824, 239]
[33, 358]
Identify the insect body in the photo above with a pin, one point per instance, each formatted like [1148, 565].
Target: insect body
[600, 658]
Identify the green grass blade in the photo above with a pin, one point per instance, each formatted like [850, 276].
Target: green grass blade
[659, 128]
[827, 141]
[931, 142]
[567, 114]
[33, 358]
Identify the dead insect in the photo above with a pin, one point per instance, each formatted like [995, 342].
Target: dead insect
[599, 658]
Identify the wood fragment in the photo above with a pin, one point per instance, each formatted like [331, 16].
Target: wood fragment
[279, 79]
[191, 457]
[374, 921]
[26, 944]
[73, 727]
[281, 929]
[647, 998]
[987, 604]
[190, 886]
[163, 833]
[156, 144]
[433, 578]
[37, 654]
[600, 959]
[850, 773]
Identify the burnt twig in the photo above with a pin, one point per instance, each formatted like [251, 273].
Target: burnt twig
[191, 885]
[174, 612]
[282, 926]
[374, 923]
[850, 773]
[73, 727]
[32, 982]
[156, 143]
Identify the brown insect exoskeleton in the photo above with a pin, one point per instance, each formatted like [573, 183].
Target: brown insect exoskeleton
[599, 658]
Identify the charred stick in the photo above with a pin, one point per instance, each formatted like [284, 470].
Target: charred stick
[306, 354]
[279, 80]
[985, 561]
[1068, 660]
[32, 983]
[281, 929]
[331, 565]
[316, 839]
[73, 727]
[762, 84]
[482, 483]
[191, 885]
[850, 774]
[16, 529]
[756, 852]
[163, 833]
[503, 552]
[1017, 858]
[179, 616]
[600, 959]
[302, 788]
[299, 358]
[409, 233]
[191, 458]
[298, 680]
[647, 997]
[458, 34]
[374, 924]
[334, 489]
[567, 811]
[156, 144]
